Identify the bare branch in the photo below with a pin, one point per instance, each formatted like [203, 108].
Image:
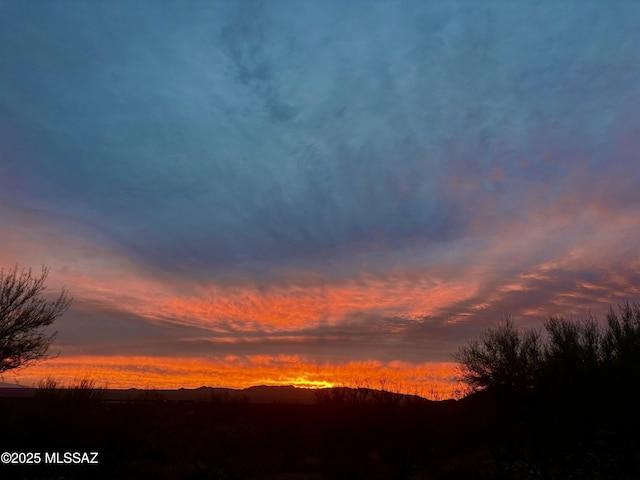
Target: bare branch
[24, 314]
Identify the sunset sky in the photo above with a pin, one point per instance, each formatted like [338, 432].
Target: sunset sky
[315, 192]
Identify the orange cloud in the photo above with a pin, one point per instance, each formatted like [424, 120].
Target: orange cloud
[99, 277]
[410, 293]
[302, 306]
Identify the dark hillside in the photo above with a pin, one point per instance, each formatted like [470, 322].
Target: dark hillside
[347, 433]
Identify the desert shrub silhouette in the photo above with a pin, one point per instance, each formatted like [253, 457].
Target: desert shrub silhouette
[620, 345]
[24, 314]
[563, 400]
[573, 358]
[573, 355]
[503, 356]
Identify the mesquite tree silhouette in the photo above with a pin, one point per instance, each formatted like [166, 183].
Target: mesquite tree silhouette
[562, 402]
[572, 356]
[24, 314]
[503, 356]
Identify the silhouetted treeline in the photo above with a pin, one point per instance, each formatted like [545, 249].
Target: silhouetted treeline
[567, 398]
[572, 357]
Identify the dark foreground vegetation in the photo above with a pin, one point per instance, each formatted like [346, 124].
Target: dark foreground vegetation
[563, 405]
[347, 434]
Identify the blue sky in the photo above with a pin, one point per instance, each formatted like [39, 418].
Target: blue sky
[373, 181]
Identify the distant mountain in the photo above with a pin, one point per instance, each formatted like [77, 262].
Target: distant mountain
[257, 394]
[10, 385]
[15, 390]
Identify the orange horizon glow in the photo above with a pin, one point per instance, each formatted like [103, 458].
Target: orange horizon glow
[430, 380]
